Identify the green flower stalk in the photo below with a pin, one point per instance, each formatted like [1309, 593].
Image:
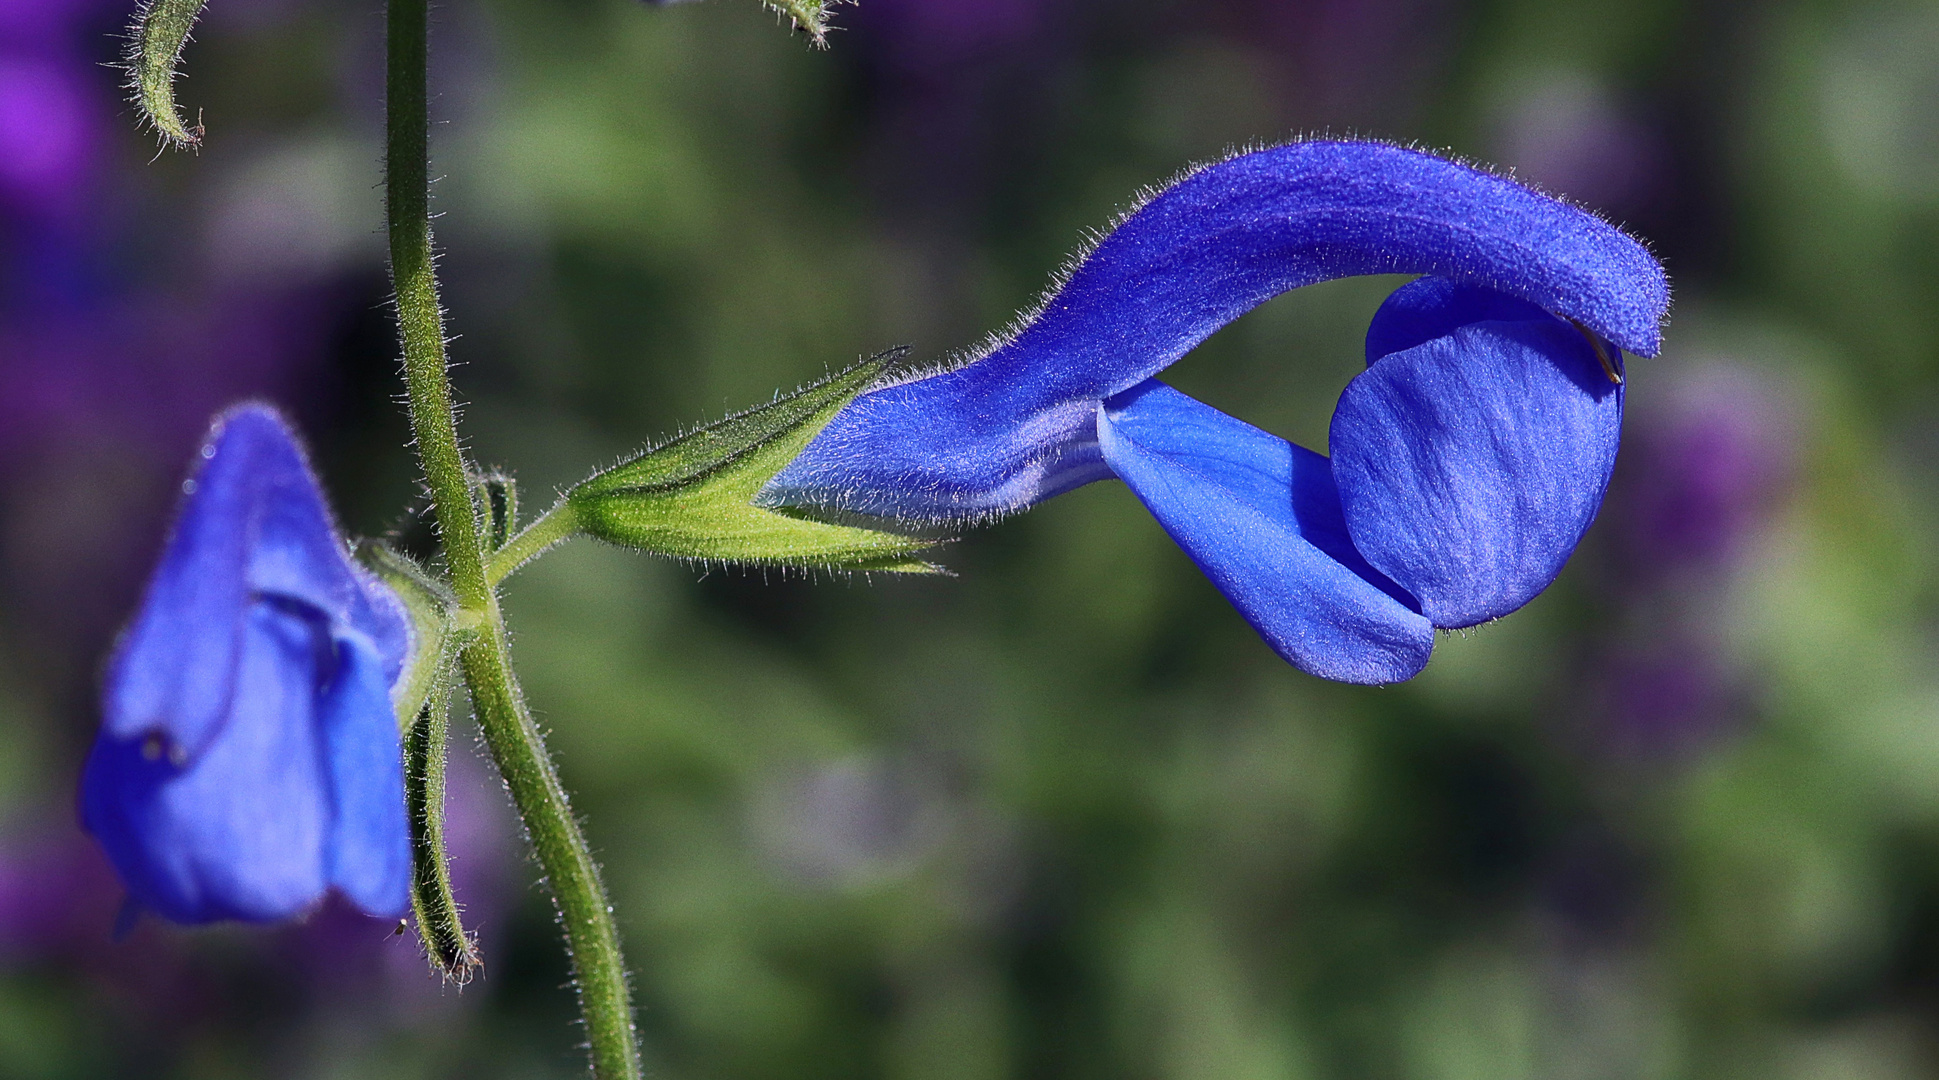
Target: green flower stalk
[599, 970]
[690, 498]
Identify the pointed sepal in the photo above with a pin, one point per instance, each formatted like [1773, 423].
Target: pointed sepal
[155, 44]
[693, 497]
[430, 604]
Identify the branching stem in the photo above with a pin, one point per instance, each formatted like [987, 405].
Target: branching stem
[516, 744]
[546, 530]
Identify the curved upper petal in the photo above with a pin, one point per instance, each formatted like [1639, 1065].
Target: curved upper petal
[1261, 518]
[1470, 465]
[1014, 425]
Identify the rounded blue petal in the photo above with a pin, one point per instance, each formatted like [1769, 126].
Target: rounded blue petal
[1431, 307]
[238, 829]
[1261, 518]
[1013, 426]
[1470, 465]
[248, 758]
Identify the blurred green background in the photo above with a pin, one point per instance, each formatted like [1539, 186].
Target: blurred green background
[1061, 815]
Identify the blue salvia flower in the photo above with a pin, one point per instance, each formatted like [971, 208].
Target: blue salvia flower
[248, 760]
[1467, 459]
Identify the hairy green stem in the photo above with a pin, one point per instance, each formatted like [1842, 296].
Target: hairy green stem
[420, 319]
[599, 970]
[556, 524]
[591, 938]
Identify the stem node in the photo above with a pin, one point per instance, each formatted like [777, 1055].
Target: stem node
[592, 941]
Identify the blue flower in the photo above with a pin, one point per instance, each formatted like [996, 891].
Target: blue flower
[1468, 458]
[248, 759]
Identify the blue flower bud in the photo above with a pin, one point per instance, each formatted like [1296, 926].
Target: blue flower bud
[249, 760]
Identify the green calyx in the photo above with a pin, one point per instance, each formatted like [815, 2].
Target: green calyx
[422, 698]
[155, 45]
[430, 604]
[693, 497]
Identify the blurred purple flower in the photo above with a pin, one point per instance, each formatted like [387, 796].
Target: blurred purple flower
[54, 103]
[38, 21]
[1352, 62]
[49, 133]
[952, 95]
[56, 894]
[1666, 696]
[919, 35]
[1704, 470]
[115, 346]
[1708, 464]
[1570, 134]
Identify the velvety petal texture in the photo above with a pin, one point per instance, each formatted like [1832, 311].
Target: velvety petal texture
[1261, 518]
[1017, 423]
[248, 759]
[1433, 307]
[1471, 464]
[1467, 459]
